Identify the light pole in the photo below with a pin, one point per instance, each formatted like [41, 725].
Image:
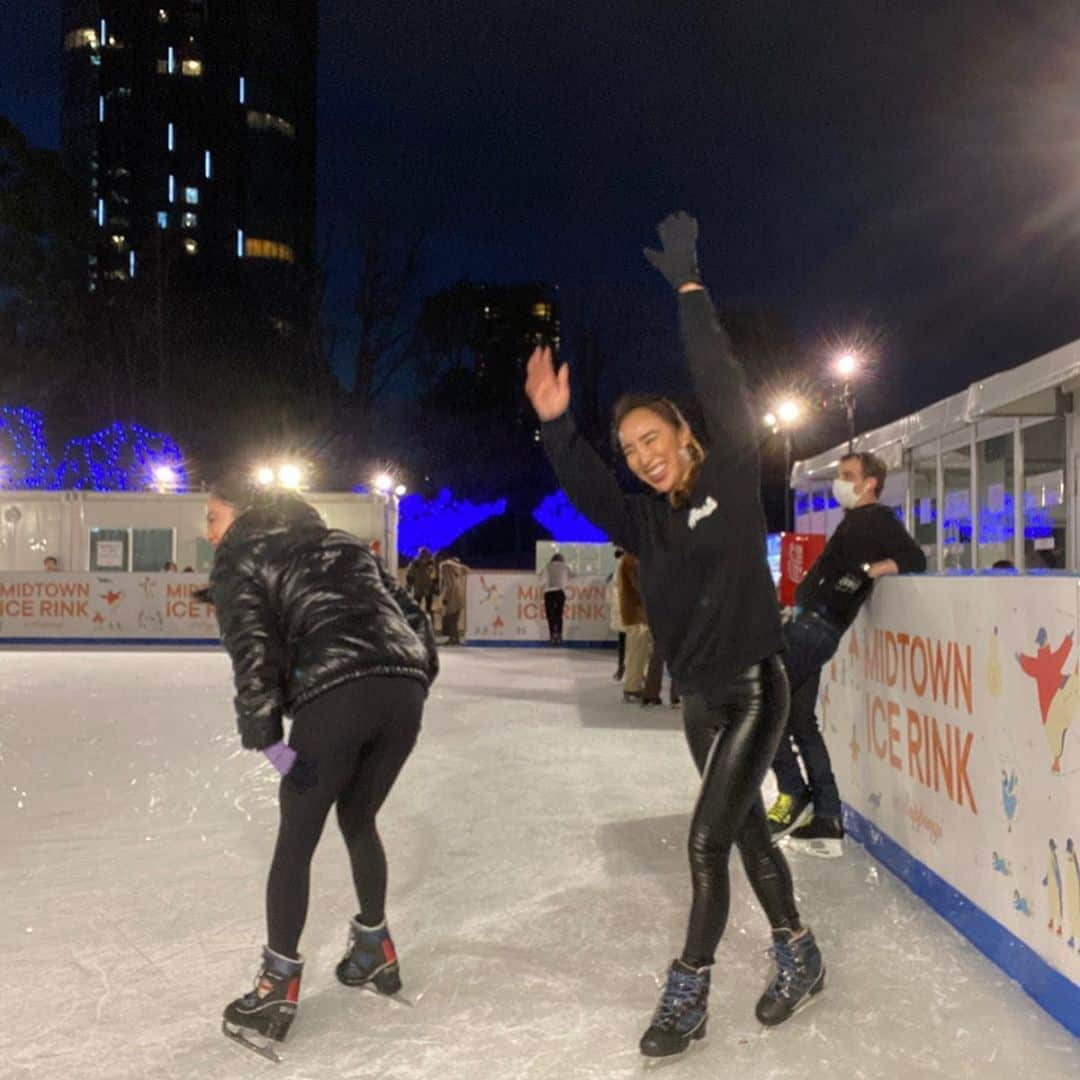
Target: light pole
[783, 420]
[847, 364]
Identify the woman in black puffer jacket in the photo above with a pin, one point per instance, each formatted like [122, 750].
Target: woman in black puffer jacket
[319, 631]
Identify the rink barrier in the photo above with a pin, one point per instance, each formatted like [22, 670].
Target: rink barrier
[1048, 987]
[105, 643]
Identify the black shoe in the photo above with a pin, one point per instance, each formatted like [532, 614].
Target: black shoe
[650, 702]
[788, 813]
[681, 1014]
[618, 676]
[799, 976]
[821, 836]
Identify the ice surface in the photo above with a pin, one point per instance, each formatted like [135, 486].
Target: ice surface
[538, 890]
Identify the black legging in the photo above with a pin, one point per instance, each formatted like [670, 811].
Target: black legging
[554, 604]
[359, 736]
[733, 736]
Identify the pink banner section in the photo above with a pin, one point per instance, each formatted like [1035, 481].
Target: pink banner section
[952, 714]
[104, 607]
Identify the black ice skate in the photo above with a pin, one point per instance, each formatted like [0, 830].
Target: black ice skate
[821, 836]
[370, 959]
[799, 976]
[680, 1017]
[268, 1010]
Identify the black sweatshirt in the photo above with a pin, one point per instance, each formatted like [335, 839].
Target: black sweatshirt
[709, 596]
[835, 585]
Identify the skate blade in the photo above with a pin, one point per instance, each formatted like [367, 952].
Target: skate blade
[822, 848]
[241, 1037]
[397, 999]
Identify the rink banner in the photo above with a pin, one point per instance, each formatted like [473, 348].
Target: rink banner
[509, 607]
[949, 711]
[104, 607]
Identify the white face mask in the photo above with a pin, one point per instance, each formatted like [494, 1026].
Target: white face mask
[844, 493]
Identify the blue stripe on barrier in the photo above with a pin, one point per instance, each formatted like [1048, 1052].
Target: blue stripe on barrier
[1059, 996]
[537, 644]
[124, 642]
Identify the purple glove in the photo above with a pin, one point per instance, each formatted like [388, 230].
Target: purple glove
[300, 773]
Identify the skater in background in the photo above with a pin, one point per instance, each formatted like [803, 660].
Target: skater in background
[422, 579]
[869, 543]
[452, 575]
[555, 576]
[654, 681]
[615, 617]
[316, 630]
[700, 538]
[638, 640]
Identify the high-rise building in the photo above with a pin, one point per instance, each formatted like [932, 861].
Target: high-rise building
[191, 126]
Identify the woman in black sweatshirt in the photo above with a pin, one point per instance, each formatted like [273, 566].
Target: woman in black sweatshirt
[700, 539]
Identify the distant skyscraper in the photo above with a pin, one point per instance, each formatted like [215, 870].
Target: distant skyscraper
[191, 125]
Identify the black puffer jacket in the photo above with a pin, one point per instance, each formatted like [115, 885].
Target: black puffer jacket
[303, 609]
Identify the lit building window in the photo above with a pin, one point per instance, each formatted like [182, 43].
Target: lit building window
[171, 139]
[172, 189]
[83, 38]
[206, 164]
[261, 121]
[191, 246]
[189, 220]
[243, 90]
[116, 275]
[191, 196]
[163, 67]
[101, 109]
[119, 242]
[101, 211]
[239, 243]
[255, 248]
[191, 67]
[542, 311]
[172, 60]
[162, 15]
[131, 263]
[162, 219]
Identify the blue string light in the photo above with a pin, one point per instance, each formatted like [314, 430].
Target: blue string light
[121, 457]
[436, 523]
[556, 514]
[24, 454]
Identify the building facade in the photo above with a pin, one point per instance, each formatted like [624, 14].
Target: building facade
[190, 125]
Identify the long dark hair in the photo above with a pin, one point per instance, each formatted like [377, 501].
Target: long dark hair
[670, 414]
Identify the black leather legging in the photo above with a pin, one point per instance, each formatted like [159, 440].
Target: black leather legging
[733, 735]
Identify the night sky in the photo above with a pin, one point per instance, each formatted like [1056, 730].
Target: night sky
[907, 170]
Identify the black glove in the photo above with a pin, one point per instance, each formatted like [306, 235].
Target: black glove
[303, 775]
[677, 260]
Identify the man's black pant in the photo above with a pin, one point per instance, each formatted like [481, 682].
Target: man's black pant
[554, 604]
[810, 642]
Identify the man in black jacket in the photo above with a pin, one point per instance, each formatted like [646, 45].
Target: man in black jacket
[869, 543]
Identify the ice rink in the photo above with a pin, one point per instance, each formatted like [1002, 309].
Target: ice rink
[538, 890]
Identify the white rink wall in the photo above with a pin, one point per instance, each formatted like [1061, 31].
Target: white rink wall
[949, 711]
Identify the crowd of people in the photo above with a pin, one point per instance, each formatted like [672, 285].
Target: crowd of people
[319, 631]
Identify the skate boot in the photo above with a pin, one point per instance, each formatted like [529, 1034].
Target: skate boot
[370, 958]
[821, 836]
[788, 813]
[681, 1014]
[268, 1010]
[799, 975]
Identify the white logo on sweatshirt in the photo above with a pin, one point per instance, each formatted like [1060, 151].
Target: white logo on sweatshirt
[699, 513]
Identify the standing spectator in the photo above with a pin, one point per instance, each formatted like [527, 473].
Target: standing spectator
[422, 579]
[654, 680]
[452, 576]
[51, 564]
[555, 577]
[169, 568]
[615, 617]
[638, 639]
